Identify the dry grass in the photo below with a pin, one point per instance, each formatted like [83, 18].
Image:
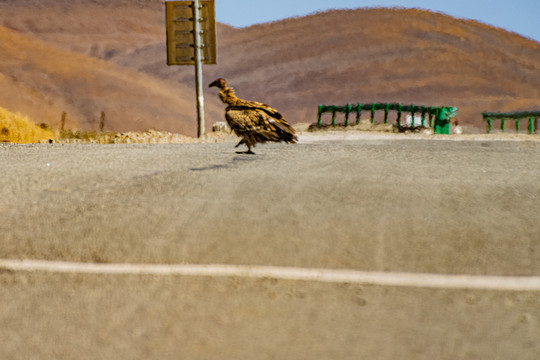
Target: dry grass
[16, 128]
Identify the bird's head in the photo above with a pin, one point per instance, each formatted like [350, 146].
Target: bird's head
[219, 83]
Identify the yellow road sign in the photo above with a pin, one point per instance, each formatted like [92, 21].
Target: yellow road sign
[180, 32]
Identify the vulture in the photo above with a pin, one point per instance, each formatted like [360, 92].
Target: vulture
[253, 121]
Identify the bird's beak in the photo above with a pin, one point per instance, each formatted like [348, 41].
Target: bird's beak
[215, 83]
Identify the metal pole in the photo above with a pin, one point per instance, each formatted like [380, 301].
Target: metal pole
[198, 67]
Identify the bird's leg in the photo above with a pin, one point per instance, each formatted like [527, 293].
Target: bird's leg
[249, 150]
[239, 143]
[246, 152]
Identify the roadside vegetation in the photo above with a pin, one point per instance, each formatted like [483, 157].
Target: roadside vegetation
[17, 128]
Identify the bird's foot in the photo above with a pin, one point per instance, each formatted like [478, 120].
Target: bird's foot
[249, 152]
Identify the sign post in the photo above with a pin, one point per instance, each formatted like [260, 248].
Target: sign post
[191, 40]
[198, 68]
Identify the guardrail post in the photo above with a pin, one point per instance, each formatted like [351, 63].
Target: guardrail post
[358, 113]
[347, 112]
[436, 114]
[502, 124]
[319, 114]
[373, 113]
[531, 125]
[412, 115]
[334, 115]
[398, 120]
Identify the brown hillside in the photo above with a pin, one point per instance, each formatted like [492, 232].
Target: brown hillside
[42, 81]
[335, 57]
[101, 28]
[367, 55]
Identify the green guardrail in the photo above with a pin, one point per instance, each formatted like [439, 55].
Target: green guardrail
[531, 116]
[438, 117]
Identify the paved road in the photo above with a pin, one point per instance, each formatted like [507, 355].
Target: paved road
[448, 207]
[430, 206]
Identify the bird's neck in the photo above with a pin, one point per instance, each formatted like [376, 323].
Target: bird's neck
[228, 96]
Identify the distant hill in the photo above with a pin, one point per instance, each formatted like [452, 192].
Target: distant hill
[334, 57]
[53, 59]
[101, 28]
[371, 55]
[42, 81]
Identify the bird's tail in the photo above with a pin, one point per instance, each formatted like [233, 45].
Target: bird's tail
[286, 132]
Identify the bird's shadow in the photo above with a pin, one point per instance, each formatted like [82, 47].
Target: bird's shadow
[234, 162]
[211, 167]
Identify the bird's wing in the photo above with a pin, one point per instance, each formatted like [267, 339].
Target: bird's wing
[258, 123]
[249, 119]
[244, 104]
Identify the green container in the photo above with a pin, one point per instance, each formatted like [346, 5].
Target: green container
[442, 119]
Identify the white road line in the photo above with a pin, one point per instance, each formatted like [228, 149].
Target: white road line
[420, 280]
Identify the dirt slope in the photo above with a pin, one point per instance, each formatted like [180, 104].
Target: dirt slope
[368, 55]
[335, 57]
[100, 28]
[42, 81]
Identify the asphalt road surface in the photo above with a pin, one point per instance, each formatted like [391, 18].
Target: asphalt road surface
[434, 206]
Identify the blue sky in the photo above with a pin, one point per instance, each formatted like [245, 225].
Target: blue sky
[520, 16]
